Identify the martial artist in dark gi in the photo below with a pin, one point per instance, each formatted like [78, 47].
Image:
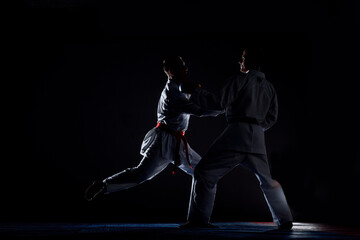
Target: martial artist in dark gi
[165, 143]
[251, 108]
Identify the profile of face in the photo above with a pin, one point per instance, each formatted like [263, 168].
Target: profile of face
[179, 71]
[244, 63]
[251, 59]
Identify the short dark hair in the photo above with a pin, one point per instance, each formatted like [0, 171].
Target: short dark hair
[255, 57]
[173, 63]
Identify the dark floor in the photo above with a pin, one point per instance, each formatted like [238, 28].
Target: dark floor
[231, 230]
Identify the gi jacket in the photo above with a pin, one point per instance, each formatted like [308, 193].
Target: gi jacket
[251, 107]
[174, 110]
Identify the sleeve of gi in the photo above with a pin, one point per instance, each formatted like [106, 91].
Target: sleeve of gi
[184, 105]
[207, 101]
[272, 114]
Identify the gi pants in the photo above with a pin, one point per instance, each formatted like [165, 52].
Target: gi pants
[158, 150]
[217, 163]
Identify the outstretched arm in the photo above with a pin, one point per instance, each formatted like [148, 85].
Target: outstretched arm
[207, 101]
[201, 103]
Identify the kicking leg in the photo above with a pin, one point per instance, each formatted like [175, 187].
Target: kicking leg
[151, 165]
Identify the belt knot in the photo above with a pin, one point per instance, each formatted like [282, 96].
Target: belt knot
[180, 136]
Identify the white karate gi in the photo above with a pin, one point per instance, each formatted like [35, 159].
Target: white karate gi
[251, 107]
[158, 147]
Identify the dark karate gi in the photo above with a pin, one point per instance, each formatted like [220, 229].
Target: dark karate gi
[251, 107]
[158, 147]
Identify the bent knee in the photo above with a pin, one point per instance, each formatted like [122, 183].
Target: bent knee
[204, 178]
[269, 184]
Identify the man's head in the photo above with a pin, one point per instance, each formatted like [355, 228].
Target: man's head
[175, 68]
[251, 59]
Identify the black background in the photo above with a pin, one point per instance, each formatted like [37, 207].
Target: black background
[80, 90]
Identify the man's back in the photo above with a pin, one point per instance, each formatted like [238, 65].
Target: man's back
[250, 98]
[172, 107]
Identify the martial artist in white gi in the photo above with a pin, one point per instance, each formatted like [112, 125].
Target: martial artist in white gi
[251, 108]
[165, 143]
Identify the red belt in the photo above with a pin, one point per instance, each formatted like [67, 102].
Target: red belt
[180, 136]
